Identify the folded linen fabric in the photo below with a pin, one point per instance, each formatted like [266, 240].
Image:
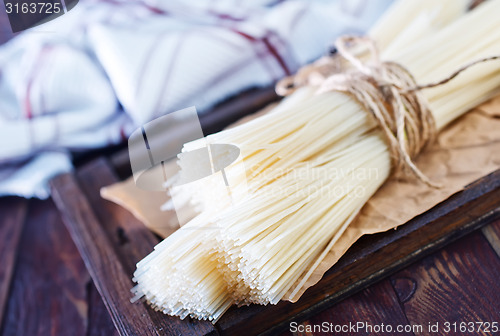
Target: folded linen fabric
[90, 77]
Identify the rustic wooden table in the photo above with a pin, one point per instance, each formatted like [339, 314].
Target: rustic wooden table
[45, 288]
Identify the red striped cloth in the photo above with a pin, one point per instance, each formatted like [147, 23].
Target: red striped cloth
[90, 77]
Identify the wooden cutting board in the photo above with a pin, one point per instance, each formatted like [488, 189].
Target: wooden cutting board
[111, 241]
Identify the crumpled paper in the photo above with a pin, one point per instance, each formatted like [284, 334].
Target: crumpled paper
[466, 150]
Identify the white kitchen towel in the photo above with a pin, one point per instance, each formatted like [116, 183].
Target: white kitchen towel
[90, 77]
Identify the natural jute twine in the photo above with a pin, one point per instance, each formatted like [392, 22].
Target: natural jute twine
[386, 90]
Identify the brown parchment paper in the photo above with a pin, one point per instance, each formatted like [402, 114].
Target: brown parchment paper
[466, 150]
[144, 205]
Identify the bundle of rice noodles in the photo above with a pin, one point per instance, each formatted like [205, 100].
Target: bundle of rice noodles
[310, 165]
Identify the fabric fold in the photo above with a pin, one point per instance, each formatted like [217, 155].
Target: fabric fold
[92, 76]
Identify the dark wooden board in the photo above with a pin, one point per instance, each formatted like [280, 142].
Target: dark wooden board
[12, 214]
[99, 321]
[374, 305]
[131, 239]
[462, 279]
[377, 256]
[126, 234]
[458, 283]
[48, 290]
[369, 260]
[492, 234]
[109, 261]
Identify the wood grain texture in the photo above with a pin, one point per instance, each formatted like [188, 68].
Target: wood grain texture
[375, 305]
[371, 259]
[47, 295]
[12, 215]
[130, 238]
[99, 321]
[456, 284]
[492, 234]
[100, 258]
[111, 276]
[377, 256]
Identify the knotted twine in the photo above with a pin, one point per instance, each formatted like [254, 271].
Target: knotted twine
[386, 90]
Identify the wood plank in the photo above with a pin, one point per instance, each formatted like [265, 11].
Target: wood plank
[100, 258]
[492, 234]
[107, 270]
[47, 295]
[378, 256]
[130, 238]
[99, 321]
[374, 306]
[456, 284]
[12, 215]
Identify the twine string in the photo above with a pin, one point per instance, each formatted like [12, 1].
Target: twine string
[386, 90]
